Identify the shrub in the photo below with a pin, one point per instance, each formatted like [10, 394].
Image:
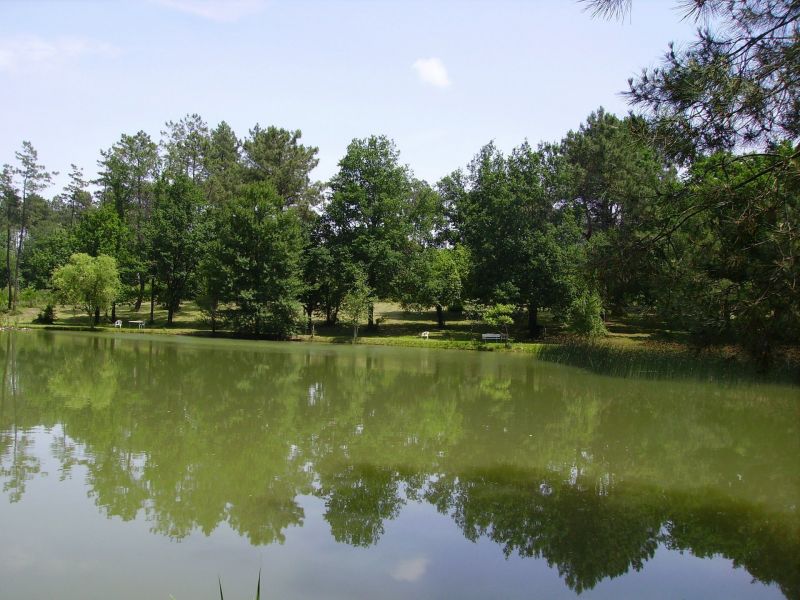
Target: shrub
[46, 316]
[585, 316]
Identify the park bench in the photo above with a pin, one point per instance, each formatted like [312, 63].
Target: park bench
[493, 337]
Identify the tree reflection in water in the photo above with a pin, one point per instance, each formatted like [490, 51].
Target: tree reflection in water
[590, 473]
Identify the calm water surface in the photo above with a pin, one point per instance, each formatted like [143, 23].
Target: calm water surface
[137, 467]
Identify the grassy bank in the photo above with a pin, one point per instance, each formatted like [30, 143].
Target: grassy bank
[635, 347]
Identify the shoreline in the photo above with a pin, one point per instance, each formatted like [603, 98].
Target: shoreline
[608, 356]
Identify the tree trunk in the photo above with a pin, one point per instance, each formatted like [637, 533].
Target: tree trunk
[96, 320]
[309, 321]
[170, 312]
[440, 316]
[152, 297]
[8, 262]
[114, 311]
[19, 250]
[533, 320]
[371, 316]
[140, 295]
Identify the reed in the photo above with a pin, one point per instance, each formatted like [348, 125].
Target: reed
[663, 362]
[258, 587]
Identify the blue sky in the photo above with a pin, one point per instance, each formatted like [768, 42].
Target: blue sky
[442, 78]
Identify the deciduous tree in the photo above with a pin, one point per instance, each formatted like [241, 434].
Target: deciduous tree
[91, 283]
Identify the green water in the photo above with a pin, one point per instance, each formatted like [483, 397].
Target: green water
[138, 467]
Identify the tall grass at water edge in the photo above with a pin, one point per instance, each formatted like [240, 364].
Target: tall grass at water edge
[665, 362]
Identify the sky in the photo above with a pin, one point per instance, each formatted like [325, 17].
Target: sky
[442, 78]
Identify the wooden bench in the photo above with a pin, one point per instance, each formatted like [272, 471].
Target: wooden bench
[493, 337]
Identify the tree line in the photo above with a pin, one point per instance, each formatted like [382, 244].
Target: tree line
[688, 211]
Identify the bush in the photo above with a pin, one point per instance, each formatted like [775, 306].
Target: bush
[28, 297]
[46, 316]
[585, 316]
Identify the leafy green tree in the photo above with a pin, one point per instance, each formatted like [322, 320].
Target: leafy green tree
[260, 247]
[324, 285]
[129, 170]
[499, 315]
[91, 283]
[614, 175]
[101, 231]
[45, 253]
[357, 302]
[524, 247]
[368, 214]
[434, 278]
[175, 238]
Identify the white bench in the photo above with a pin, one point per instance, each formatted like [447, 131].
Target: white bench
[493, 337]
[140, 324]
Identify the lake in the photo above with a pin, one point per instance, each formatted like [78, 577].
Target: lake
[136, 466]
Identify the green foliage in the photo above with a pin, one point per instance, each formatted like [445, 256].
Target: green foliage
[277, 156]
[222, 164]
[499, 315]
[368, 212]
[356, 303]
[28, 297]
[175, 239]
[260, 247]
[522, 244]
[613, 174]
[325, 285]
[433, 277]
[240, 227]
[45, 253]
[186, 147]
[47, 315]
[733, 269]
[585, 315]
[91, 283]
[211, 276]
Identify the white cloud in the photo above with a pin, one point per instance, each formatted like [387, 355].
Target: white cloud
[410, 570]
[24, 51]
[221, 11]
[431, 70]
